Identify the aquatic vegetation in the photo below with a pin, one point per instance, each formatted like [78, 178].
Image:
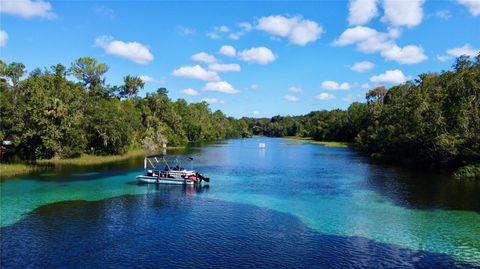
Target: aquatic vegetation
[90, 159]
[324, 143]
[17, 169]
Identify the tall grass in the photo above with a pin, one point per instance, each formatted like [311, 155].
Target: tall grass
[17, 169]
[87, 159]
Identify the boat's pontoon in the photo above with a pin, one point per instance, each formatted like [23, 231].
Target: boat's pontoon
[163, 169]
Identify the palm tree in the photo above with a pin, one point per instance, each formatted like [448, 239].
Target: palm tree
[132, 86]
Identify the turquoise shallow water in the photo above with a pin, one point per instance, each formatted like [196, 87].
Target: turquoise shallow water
[333, 191]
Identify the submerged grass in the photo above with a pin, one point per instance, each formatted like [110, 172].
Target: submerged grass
[87, 159]
[325, 143]
[18, 169]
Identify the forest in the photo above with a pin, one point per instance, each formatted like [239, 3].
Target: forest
[433, 120]
[45, 115]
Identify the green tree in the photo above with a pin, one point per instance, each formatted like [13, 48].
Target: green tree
[90, 73]
[13, 71]
[131, 86]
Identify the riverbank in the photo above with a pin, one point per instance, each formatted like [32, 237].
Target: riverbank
[18, 169]
[324, 143]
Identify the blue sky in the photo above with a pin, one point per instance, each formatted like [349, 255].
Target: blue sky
[247, 58]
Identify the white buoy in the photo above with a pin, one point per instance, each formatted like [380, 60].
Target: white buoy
[261, 145]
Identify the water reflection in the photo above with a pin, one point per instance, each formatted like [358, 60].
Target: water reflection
[413, 188]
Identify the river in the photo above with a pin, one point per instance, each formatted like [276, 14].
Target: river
[292, 204]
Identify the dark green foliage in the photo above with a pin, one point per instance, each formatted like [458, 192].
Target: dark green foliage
[46, 115]
[468, 172]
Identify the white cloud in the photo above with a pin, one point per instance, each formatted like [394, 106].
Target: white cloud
[204, 57]
[369, 40]
[290, 98]
[472, 5]
[260, 55]
[277, 25]
[444, 58]
[228, 51]
[213, 35]
[403, 13]
[366, 86]
[298, 30]
[245, 26]
[334, 86]
[466, 49]
[213, 101]
[3, 38]
[146, 78]
[196, 72]
[255, 113]
[221, 29]
[325, 96]
[406, 55]
[361, 11]
[185, 31]
[133, 51]
[443, 14]
[189, 91]
[295, 89]
[235, 36]
[220, 86]
[363, 66]
[390, 76]
[224, 67]
[105, 12]
[218, 31]
[254, 86]
[27, 8]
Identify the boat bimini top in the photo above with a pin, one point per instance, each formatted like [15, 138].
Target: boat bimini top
[160, 162]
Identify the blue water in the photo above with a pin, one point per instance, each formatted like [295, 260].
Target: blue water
[289, 205]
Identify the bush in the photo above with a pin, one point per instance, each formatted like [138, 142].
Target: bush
[468, 172]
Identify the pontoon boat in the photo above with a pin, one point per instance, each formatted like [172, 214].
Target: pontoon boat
[163, 169]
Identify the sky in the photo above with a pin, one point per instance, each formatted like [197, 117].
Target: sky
[247, 58]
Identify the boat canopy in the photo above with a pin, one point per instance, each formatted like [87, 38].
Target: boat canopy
[169, 157]
[157, 161]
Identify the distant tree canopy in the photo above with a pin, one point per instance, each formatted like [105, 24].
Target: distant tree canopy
[434, 119]
[47, 115]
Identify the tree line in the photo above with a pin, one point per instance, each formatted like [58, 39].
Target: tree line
[44, 114]
[434, 119]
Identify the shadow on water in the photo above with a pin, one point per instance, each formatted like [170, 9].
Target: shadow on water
[172, 227]
[423, 188]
